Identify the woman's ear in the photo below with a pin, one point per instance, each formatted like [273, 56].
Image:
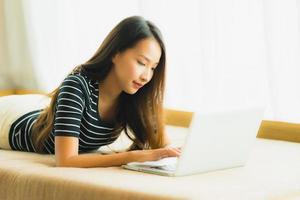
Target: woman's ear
[115, 57]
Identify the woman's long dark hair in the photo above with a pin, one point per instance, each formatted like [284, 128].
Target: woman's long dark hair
[140, 115]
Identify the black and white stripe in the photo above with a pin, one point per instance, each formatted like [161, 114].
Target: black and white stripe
[76, 115]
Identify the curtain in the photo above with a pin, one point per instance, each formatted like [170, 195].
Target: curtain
[219, 53]
[16, 58]
[281, 21]
[230, 53]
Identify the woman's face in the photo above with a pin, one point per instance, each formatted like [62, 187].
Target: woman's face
[134, 67]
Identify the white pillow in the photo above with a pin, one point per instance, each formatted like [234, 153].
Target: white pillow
[14, 106]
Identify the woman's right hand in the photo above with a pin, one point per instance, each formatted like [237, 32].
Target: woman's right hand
[155, 154]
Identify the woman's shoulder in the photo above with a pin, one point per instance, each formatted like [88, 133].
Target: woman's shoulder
[77, 74]
[78, 77]
[75, 80]
[81, 81]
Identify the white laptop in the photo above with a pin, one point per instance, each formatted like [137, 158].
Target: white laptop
[216, 140]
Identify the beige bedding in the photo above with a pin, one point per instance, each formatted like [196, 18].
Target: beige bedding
[272, 172]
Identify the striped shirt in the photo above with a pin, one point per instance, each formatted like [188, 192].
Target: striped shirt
[76, 115]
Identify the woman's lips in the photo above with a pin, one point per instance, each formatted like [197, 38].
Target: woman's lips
[137, 85]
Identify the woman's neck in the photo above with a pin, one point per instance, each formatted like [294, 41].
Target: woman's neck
[109, 88]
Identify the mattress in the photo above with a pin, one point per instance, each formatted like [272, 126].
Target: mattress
[271, 172]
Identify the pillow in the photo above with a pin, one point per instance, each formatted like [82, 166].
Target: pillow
[14, 106]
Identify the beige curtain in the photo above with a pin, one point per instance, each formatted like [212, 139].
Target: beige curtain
[16, 68]
[4, 76]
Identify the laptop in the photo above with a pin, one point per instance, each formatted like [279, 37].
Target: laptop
[216, 140]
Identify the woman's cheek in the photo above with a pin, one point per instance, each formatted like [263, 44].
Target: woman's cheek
[134, 71]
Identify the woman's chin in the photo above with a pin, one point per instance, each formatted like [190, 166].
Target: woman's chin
[131, 91]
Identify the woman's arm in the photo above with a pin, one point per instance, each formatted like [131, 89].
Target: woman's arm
[66, 155]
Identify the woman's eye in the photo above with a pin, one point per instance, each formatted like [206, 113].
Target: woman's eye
[141, 63]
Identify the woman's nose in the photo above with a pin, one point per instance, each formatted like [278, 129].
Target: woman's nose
[146, 75]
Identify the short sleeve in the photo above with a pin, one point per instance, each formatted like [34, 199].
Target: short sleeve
[69, 107]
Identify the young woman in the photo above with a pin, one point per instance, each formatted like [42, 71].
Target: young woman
[120, 88]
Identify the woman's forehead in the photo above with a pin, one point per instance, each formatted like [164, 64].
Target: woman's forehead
[149, 49]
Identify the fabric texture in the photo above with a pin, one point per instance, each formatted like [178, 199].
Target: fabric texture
[271, 173]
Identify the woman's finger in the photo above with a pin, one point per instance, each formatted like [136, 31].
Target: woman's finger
[174, 152]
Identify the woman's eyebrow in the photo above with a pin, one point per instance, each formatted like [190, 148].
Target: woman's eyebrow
[146, 58]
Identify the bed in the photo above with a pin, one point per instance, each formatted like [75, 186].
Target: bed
[272, 172]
